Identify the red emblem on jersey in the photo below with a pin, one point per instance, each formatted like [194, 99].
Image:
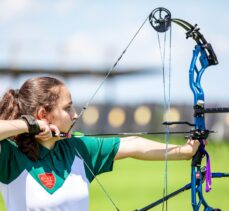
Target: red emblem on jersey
[47, 179]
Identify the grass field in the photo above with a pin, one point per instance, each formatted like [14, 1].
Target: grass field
[133, 184]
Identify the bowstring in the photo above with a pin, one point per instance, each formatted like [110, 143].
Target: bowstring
[98, 181]
[111, 70]
[166, 108]
[88, 104]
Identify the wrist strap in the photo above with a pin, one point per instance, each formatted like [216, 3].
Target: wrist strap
[32, 124]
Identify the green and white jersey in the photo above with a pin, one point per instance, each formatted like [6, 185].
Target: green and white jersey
[59, 180]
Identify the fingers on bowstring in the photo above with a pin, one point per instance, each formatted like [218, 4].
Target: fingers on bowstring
[54, 130]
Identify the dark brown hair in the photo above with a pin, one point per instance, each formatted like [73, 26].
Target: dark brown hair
[33, 94]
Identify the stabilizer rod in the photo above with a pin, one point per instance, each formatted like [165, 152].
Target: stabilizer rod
[216, 110]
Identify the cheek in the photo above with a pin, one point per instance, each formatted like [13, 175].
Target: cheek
[60, 118]
[56, 117]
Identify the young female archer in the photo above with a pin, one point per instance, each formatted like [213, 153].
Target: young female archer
[39, 171]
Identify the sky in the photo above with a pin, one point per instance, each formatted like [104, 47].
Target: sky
[92, 34]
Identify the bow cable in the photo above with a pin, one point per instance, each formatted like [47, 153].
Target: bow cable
[111, 70]
[88, 104]
[160, 20]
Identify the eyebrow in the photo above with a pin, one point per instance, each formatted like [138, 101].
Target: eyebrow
[68, 104]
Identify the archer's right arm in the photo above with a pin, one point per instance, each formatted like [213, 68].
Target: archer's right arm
[10, 128]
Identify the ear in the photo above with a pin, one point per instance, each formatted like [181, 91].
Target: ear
[41, 113]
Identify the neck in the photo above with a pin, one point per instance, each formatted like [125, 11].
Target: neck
[49, 144]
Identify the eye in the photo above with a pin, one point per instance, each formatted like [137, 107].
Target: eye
[69, 108]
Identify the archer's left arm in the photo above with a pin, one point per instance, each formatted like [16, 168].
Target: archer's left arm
[144, 149]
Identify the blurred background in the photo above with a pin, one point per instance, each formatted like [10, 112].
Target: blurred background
[80, 40]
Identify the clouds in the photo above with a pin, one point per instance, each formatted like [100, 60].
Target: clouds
[76, 33]
[11, 9]
[83, 32]
[63, 7]
[81, 48]
[14, 11]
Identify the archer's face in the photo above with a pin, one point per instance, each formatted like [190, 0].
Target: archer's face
[64, 113]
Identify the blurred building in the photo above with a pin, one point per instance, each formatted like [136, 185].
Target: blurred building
[111, 119]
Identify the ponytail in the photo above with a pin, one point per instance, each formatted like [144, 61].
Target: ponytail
[34, 93]
[9, 105]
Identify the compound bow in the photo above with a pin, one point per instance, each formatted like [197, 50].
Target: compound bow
[160, 19]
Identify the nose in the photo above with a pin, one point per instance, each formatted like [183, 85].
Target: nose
[75, 116]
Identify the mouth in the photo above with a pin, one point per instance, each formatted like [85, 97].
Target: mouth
[68, 134]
